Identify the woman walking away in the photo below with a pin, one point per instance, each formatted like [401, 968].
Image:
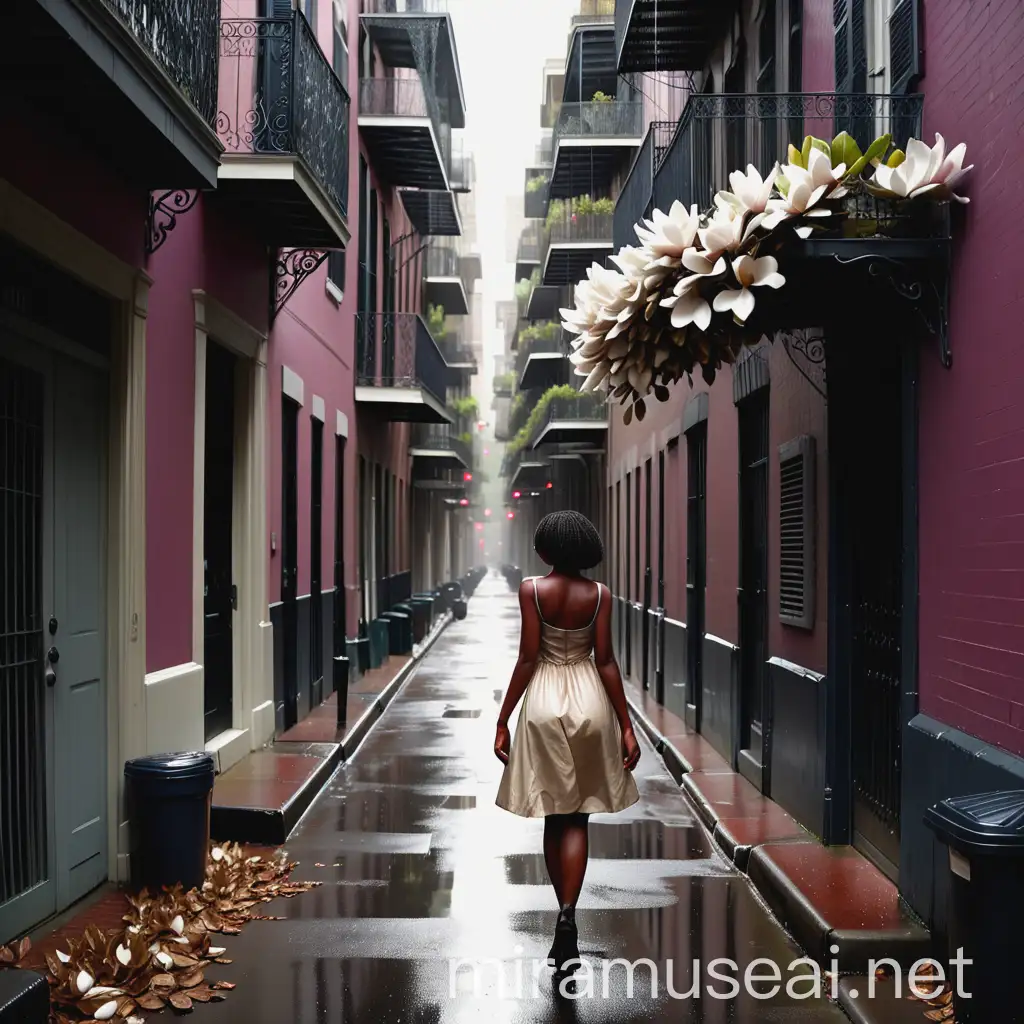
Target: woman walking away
[574, 747]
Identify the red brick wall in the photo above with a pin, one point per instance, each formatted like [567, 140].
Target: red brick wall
[971, 473]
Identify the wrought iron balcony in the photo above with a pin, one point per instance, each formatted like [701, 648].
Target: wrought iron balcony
[593, 12]
[406, 130]
[545, 300]
[541, 359]
[463, 172]
[433, 211]
[400, 371]
[138, 76]
[439, 445]
[418, 35]
[283, 119]
[574, 242]
[590, 61]
[532, 243]
[720, 133]
[668, 35]
[525, 470]
[634, 202]
[581, 421]
[535, 193]
[443, 280]
[593, 144]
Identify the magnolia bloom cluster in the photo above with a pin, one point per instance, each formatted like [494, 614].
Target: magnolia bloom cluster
[640, 327]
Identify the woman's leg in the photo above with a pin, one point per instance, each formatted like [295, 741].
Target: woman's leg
[553, 824]
[574, 852]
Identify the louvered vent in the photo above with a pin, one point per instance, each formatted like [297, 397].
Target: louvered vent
[903, 46]
[796, 533]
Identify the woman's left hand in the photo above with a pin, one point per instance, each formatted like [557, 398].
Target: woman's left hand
[502, 742]
[630, 749]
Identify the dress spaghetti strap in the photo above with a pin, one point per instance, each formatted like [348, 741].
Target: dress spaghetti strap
[540, 614]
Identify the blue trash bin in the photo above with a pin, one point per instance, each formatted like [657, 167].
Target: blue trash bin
[168, 799]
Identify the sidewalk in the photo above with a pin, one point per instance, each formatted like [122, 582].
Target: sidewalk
[833, 900]
[260, 799]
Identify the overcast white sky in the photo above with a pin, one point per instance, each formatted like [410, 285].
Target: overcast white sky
[503, 45]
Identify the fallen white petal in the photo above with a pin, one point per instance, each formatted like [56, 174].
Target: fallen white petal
[217, 853]
[63, 957]
[124, 955]
[84, 982]
[106, 1011]
[216, 950]
[164, 960]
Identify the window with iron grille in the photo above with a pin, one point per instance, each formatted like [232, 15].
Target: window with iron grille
[797, 532]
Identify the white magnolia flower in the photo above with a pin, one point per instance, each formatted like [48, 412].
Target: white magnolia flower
[807, 187]
[723, 233]
[669, 234]
[686, 303]
[84, 982]
[750, 273]
[123, 954]
[926, 171]
[750, 192]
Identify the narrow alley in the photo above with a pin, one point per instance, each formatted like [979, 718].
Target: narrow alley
[421, 870]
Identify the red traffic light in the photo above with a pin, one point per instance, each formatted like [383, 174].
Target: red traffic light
[465, 501]
[467, 477]
[550, 485]
[510, 515]
[517, 494]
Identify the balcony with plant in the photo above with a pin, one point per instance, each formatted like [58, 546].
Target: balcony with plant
[579, 233]
[532, 242]
[283, 120]
[594, 143]
[444, 284]
[833, 226]
[535, 194]
[541, 355]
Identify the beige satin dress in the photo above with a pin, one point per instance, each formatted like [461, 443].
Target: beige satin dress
[566, 755]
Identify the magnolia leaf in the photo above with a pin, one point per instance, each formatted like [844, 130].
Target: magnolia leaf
[896, 158]
[845, 150]
[628, 417]
[708, 373]
[795, 157]
[812, 143]
[190, 980]
[874, 154]
[228, 985]
[163, 981]
[641, 409]
[180, 1001]
[661, 393]
[202, 993]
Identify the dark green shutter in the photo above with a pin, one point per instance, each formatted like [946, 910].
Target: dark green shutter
[904, 46]
[850, 46]
[280, 8]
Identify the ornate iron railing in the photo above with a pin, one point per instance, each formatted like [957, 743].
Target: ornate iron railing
[405, 6]
[280, 96]
[407, 97]
[591, 407]
[181, 36]
[720, 133]
[396, 350]
[548, 338]
[634, 202]
[444, 437]
[615, 119]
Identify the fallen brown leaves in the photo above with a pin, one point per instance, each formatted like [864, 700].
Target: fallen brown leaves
[160, 958]
[936, 995]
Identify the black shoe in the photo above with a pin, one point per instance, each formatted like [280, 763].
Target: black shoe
[566, 945]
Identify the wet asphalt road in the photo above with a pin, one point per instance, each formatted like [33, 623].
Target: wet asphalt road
[420, 869]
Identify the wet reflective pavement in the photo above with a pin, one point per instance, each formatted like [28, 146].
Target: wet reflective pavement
[420, 870]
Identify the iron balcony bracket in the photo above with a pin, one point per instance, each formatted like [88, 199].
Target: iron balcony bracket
[290, 269]
[164, 210]
[928, 294]
[809, 345]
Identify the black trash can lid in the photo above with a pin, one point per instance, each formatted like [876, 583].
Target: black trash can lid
[184, 765]
[981, 823]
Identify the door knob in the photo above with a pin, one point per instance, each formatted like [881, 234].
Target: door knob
[50, 676]
[53, 655]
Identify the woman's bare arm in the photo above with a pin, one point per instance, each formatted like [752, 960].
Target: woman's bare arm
[529, 647]
[607, 667]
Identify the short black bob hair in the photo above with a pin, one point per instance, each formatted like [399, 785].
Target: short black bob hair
[568, 541]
